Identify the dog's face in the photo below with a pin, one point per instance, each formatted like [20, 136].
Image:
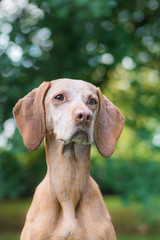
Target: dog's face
[72, 110]
[71, 107]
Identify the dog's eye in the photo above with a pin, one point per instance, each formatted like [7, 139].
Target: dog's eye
[92, 101]
[59, 97]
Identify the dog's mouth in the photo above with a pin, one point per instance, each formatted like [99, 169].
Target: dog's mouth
[79, 136]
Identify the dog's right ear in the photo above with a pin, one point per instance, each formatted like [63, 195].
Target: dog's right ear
[30, 116]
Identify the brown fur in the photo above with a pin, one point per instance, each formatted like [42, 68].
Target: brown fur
[68, 205]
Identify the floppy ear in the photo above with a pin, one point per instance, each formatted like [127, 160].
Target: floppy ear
[108, 126]
[30, 116]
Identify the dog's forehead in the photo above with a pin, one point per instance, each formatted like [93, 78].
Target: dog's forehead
[71, 86]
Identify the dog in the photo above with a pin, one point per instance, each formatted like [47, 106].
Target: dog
[69, 115]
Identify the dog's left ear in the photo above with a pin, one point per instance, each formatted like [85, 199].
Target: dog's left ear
[30, 116]
[108, 126]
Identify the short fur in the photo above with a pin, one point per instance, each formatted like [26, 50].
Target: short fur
[68, 204]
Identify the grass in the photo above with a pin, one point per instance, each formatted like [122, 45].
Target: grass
[150, 237]
[128, 225]
[12, 209]
[124, 217]
[12, 214]
[9, 236]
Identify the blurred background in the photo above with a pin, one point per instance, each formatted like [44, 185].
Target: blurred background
[114, 45]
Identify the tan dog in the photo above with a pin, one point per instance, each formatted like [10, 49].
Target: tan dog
[68, 205]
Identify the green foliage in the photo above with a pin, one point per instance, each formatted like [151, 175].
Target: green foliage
[36, 168]
[12, 177]
[69, 39]
[112, 44]
[150, 211]
[134, 180]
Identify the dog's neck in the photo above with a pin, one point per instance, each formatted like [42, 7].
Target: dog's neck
[68, 168]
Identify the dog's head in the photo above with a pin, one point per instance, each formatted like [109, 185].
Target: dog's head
[73, 110]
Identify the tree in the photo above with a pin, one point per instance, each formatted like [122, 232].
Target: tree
[44, 40]
[112, 44]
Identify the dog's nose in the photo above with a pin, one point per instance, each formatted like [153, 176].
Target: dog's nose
[83, 116]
